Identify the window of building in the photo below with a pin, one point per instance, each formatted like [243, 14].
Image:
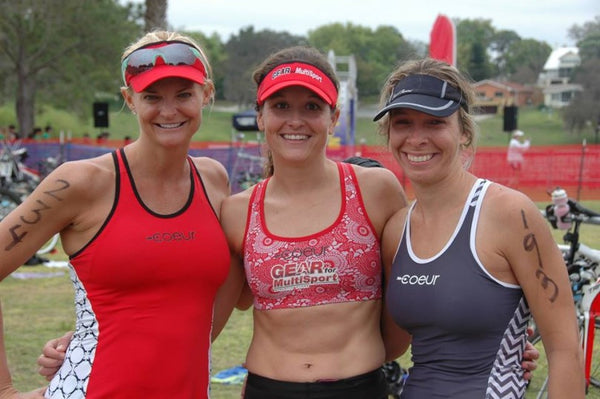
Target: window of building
[566, 96]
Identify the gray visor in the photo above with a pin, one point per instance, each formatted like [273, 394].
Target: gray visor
[424, 93]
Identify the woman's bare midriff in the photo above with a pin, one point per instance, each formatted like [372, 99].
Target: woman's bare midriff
[326, 342]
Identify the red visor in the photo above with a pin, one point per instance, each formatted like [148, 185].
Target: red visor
[162, 60]
[297, 74]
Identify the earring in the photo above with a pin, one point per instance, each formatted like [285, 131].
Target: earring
[133, 111]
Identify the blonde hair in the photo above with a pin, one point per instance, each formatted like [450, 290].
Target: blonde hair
[159, 36]
[440, 70]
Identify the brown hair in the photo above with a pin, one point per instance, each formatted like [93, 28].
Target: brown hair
[305, 54]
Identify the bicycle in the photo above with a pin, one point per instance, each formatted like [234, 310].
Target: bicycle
[248, 165]
[395, 376]
[14, 175]
[16, 183]
[582, 264]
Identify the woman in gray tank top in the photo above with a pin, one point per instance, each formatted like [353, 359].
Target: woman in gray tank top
[469, 259]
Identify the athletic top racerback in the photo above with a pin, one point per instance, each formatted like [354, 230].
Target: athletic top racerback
[144, 292]
[341, 263]
[468, 328]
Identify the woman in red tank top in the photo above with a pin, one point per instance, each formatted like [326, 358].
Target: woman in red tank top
[123, 217]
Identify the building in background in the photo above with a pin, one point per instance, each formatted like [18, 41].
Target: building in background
[493, 96]
[554, 80]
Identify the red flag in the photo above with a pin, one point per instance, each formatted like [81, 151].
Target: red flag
[442, 44]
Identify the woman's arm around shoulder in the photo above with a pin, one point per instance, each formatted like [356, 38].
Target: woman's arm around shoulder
[524, 239]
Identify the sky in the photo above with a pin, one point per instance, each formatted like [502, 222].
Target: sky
[542, 20]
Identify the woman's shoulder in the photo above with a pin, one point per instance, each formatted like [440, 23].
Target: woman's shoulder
[375, 177]
[239, 201]
[506, 208]
[505, 197]
[206, 165]
[79, 185]
[92, 172]
[212, 171]
[381, 183]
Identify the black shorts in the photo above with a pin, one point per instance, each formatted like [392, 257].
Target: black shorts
[371, 385]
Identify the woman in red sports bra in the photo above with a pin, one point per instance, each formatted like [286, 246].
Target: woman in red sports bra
[308, 238]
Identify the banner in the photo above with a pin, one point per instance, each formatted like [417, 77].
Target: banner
[442, 45]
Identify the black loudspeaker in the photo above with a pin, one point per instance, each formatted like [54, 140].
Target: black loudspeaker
[245, 121]
[100, 114]
[510, 118]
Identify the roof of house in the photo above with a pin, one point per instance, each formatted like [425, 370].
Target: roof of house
[509, 86]
[553, 61]
[560, 88]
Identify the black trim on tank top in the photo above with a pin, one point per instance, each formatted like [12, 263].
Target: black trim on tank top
[112, 209]
[192, 164]
[141, 202]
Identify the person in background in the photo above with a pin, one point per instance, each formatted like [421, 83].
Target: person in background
[12, 135]
[469, 259]
[148, 258]
[517, 146]
[47, 132]
[35, 134]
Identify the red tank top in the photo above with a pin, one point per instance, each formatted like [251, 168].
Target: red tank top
[341, 263]
[145, 287]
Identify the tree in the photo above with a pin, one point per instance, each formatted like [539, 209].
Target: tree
[500, 45]
[584, 109]
[478, 67]
[215, 52]
[376, 52]
[245, 51]
[588, 38]
[62, 50]
[474, 37]
[525, 59]
[485, 53]
[156, 15]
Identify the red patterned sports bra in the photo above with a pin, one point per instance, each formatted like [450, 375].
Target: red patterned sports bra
[341, 263]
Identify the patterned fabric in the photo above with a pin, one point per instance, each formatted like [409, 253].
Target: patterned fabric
[341, 263]
[144, 292]
[72, 378]
[504, 382]
[468, 328]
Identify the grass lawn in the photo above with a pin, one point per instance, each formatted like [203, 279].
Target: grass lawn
[38, 309]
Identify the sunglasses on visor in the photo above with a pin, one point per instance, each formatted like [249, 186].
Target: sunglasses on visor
[170, 53]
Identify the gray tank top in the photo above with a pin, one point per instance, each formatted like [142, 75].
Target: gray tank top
[468, 328]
